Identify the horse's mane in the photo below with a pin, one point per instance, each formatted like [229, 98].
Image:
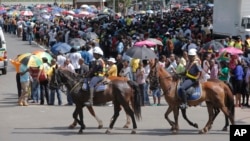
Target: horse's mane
[69, 73]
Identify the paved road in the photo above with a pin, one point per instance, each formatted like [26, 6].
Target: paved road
[41, 123]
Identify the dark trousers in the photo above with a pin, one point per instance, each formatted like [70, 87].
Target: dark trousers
[19, 89]
[44, 91]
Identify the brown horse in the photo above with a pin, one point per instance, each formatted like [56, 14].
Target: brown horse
[215, 93]
[119, 90]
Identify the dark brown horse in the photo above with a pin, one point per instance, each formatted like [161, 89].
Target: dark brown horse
[119, 90]
[215, 93]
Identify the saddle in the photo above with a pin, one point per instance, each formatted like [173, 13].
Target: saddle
[100, 86]
[193, 93]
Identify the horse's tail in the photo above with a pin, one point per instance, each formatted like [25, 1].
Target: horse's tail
[137, 99]
[229, 99]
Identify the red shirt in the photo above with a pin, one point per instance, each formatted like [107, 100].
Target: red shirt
[34, 71]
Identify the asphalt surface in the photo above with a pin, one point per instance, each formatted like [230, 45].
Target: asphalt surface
[50, 123]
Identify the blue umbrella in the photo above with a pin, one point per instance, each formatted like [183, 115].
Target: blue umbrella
[60, 48]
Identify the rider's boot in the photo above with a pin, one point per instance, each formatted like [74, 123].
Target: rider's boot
[184, 100]
[90, 101]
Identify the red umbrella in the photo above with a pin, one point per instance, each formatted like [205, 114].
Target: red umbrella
[231, 50]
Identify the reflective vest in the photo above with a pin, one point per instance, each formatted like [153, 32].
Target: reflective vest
[195, 77]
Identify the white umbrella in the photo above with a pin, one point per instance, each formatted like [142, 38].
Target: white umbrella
[69, 17]
[84, 6]
[150, 11]
[45, 16]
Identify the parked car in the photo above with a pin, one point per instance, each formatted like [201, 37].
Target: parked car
[3, 53]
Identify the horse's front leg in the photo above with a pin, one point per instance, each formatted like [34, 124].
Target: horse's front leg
[184, 114]
[73, 125]
[80, 111]
[169, 110]
[176, 116]
[92, 112]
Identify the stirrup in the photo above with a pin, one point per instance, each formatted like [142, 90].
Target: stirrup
[88, 103]
[183, 106]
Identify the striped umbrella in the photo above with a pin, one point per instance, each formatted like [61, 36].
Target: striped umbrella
[42, 54]
[23, 55]
[31, 61]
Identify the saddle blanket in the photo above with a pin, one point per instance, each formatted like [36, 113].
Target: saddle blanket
[98, 88]
[193, 93]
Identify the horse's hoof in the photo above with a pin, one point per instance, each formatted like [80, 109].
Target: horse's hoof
[100, 126]
[125, 126]
[80, 132]
[174, 131]
[202, 131]
[171, 129]
[107, 132]
[133, 132]
[196, 125]
[72, 126]
[224, 129]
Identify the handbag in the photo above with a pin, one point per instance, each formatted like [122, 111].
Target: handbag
[42, 76]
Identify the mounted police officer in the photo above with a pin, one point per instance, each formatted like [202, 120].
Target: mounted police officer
[96, 73]
[192, 75]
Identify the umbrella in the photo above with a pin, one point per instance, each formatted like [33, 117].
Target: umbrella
[83, 14]
[60, 47]
[42, 54]
[77, 43]
[150, 11]
[214, 45]
[31, 61]
[91, 35]
[145, 43]
[231, 50]
[23, 55]
[141, 53]
[27, 13]
[158, 42]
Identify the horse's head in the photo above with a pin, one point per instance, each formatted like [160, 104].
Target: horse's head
[158, 75]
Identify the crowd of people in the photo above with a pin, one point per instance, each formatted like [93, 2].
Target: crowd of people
[178, 31]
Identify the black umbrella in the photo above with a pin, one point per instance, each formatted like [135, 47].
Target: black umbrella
[141, 53]
[77, 43]
[214, 45]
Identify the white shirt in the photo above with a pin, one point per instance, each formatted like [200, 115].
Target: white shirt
[70, 67]
[60, 60]
[74, 58]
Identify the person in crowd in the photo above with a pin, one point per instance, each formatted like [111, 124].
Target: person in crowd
[16, 63]
[134, 65]
[141, 80]
[112, 70]
[54, 90]
[147, 71]
[119, 63]
[96, 73]
[25, 83]
[35, 86]
[126, 70]
[74, 57]
[245, 100]
[193, 73]
[238, 75]
[214, 70]
[68, 66]
[44, 88]
[84, 68]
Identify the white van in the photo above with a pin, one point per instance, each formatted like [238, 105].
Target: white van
[3, 53]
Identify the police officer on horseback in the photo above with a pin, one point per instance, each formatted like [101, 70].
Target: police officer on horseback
[192, 75]
[96, 73]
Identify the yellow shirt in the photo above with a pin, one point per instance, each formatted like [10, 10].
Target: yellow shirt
[50, 71]
[134, 64]
[113, 70]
